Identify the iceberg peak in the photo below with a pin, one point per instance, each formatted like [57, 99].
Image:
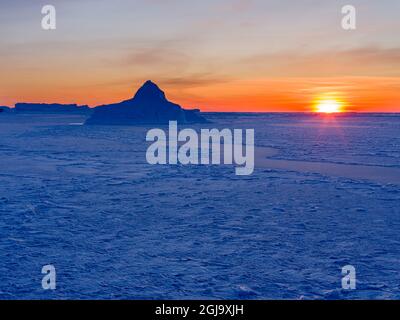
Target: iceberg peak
[149, 91]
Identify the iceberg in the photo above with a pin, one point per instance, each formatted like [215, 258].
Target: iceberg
[4, 109]
[148, 106]
[50, 108]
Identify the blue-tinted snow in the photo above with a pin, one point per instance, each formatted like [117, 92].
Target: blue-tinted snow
[83, 198]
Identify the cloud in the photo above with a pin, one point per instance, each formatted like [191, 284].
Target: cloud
[367, 61]
[194, 80]
[156, 56]
[240, 5]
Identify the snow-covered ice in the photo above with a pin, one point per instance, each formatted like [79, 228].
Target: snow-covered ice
[84, 199]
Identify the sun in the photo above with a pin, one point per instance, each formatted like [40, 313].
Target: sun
[328, 106]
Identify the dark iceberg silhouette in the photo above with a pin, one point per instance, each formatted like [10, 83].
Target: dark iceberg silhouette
[4, 109]
[50, 108]
[148, 106]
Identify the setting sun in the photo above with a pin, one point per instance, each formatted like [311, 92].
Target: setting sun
[328, 106]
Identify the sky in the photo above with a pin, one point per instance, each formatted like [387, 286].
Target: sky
[216, 55]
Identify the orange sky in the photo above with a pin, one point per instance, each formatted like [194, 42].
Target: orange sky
[236, 55]
[359, 94]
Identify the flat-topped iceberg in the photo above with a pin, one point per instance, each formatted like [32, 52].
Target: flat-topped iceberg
[148, 106]
[50, 108]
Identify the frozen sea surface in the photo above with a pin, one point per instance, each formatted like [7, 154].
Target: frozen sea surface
[85, 200]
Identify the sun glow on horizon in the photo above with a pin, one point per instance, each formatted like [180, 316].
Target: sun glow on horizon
[328, 106]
